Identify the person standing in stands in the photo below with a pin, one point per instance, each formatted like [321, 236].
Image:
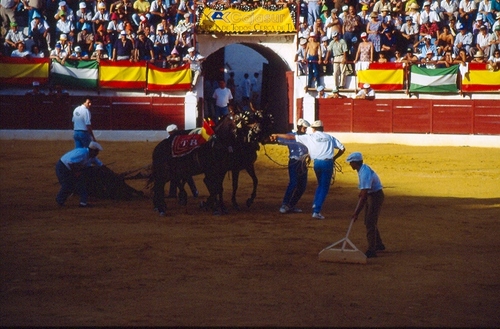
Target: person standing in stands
[337, 51]
[82, 131]
[313, 55]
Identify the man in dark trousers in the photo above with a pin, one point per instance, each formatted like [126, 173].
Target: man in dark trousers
[371, 197]
[70, 172]
[297, 169]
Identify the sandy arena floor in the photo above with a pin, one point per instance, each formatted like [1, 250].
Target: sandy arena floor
[120, 264]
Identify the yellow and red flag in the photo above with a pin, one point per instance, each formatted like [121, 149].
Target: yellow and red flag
[122, 75]
[206, 130]
[382, 76]
[479, 78]
[169, 79]
[21, 71]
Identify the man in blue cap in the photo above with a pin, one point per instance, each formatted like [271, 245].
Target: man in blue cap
[371, 198]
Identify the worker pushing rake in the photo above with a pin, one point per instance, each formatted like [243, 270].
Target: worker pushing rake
[371, 198]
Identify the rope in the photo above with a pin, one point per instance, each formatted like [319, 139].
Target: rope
[272, 160]
[337, 167]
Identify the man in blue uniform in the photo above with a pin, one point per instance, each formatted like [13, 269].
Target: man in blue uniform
[321, 148]
[297, 169]
[69, 171]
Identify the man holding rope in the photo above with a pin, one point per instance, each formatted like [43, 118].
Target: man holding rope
[321, 148]
[297, 169]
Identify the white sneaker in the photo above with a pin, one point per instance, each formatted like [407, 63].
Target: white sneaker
[317, 215]
[296, 210]
[284, 209]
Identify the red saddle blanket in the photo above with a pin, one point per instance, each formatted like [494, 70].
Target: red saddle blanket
[185, 144]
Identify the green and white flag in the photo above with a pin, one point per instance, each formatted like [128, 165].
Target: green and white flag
[440, 80]
[75, 73]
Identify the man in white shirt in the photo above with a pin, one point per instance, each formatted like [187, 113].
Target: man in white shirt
[366, 93]
[222, 96]
[83, 133]
[321, 148]
[194, 59]
[21, 51]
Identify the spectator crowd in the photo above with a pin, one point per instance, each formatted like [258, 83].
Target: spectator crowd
[160, 31]
[342, 35]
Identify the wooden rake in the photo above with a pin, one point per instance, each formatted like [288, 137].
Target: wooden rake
[347, 253]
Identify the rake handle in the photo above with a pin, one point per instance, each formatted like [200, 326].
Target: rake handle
[347, 234]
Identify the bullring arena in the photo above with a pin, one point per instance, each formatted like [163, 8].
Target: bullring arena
[120, 264]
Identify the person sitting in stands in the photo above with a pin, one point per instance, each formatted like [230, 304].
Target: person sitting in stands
[78, 54]
[144, 48]
[444, 41]
[410, 57]
[366, 93]
[494, 61]
[40, 31]
[13, 38]
[425, 46]
[409, 32]
[446, 60]
[99, 53]
[59, 54]
[123, 48]
[478, 57]
[36, 53]
[335, 94]
[463, 40]
[21, 51]
[429, 60]
[85, 38]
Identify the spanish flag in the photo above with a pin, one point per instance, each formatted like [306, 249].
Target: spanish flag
[160, 79]
[382, 76]
[479, 78]
[206, 130]
[122, 75]
[22, 71]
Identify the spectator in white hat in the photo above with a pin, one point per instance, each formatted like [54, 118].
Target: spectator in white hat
[79, 54]
[64, 8]
[366, 92]
[195, 61]
[370, 198]
[99, 53]
[321, 148]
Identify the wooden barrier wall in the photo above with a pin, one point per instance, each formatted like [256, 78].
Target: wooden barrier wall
[479, 117]
[108, 113]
